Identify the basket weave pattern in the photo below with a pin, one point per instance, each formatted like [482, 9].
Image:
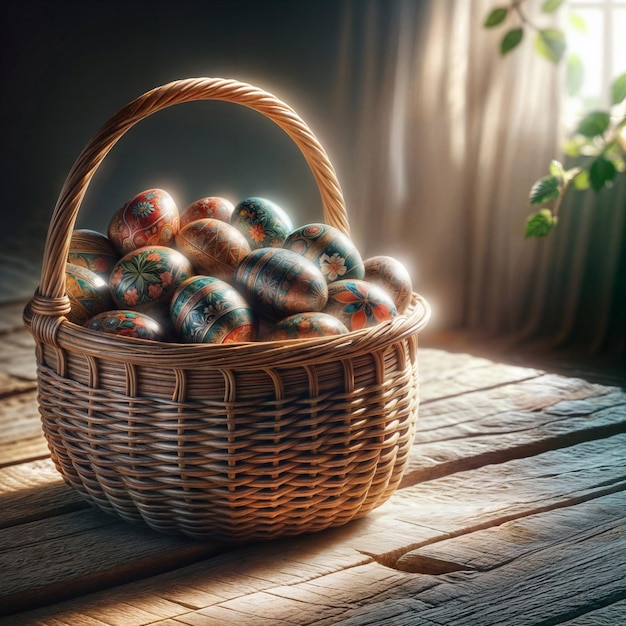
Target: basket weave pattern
[238, 441]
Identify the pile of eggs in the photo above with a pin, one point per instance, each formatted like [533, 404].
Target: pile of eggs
[220, 273]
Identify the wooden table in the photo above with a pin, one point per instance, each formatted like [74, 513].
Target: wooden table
[512, 511]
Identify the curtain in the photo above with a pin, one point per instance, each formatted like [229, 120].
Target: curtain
[447, 138]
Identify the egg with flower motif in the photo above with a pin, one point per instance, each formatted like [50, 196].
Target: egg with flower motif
[390, 274]
[211, 206]
[263, 222]
[331, 250]
[126, 323]
[214, 247]
[149, 219]
[279, 282]
[148, 277]
[87, 291]
[306, 325]
[359, 304]
[93, 250]
[205, 309]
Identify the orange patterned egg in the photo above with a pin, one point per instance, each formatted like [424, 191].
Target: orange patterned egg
[93, 250]
[149, 219]
[211, 206]
[306, 325]
[213, 247]
[88, 293]
[280, 282]
[359, 304]
[389, 273]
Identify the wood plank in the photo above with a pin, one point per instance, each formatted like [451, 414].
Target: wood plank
[418, 516]
[17, 355]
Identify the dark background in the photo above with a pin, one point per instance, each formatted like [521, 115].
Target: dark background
[68, 66]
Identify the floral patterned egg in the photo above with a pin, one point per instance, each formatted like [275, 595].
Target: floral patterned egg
[332, 251]
[280, 282]
[263, 223]
[147, 277]
[213, 247]
[359, 304]
[393, 277]
[211, 206]
[87, 291]
[126, 323]
[205, 309]
[306, 325]
[93, 250]
[149, 219]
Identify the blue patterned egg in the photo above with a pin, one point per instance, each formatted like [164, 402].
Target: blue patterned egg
[127, 323]
[390, 274]
[87, 291]
[359, 304]
[93, 250]
[262, 222]
[279, 282]
[331, 250]
[306, 325]
[147, 277]
[205, 309]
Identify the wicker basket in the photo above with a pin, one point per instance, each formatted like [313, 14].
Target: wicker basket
[239, 441]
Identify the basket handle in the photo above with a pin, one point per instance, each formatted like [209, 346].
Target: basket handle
[50, 298]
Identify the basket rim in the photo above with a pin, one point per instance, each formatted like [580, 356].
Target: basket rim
[244, 355]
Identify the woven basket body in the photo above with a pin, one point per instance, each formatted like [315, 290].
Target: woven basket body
[239, 441]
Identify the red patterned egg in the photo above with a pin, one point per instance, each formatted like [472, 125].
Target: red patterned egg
[148, 277]
[263, 222]
[127, 323]
[211, 206]
[149, 219]
[280, 282]
[87, 291]
[93, 250]
[331, 250]
[213, 247]
[359, 304]
[205, 309]
[306, 325]
[390, 274]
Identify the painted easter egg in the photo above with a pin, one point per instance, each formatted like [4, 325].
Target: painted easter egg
[93, 250]
[147, 277]
[87, 291]
[390, 274]
[214, 247]
[205, 309]
[359, 304]
[263, 222]
[306, 325]
[331, 250]
[149, 219]
[211, 206]
[126, 323]
[279, 282]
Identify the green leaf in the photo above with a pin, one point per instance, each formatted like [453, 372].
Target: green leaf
[495, 17]
[550, 44]
[556, 169]
[511, 40]
[581, 181]
[618, 89]
[549, 6]
[594, 124]
[546, 188]
[575, 74]
[540, 224]
[577, 22]
[601, 172]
